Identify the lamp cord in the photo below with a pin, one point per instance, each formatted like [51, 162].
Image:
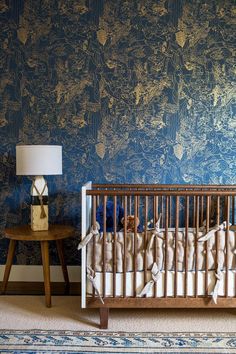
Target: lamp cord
[40, 195]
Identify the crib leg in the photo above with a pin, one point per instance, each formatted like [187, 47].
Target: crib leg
[104, 315]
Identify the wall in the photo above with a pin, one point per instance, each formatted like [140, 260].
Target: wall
[135, 91]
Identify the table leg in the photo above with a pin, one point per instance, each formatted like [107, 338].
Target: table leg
[60, 251]
[46, 272]
[10, 256]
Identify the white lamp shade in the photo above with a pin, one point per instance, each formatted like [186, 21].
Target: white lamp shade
[38, 160]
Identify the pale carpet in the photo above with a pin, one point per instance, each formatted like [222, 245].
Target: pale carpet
[29, 312]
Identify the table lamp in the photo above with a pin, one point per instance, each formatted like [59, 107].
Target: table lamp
[39, 160]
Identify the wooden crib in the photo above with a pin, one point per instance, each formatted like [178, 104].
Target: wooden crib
[189, 224]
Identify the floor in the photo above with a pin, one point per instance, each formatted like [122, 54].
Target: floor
[29, 312]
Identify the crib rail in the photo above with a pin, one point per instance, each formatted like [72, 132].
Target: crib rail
[163, 192]
[181, 209]
[163, 186]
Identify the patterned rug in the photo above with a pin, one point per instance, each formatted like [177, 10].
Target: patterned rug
[40, 341]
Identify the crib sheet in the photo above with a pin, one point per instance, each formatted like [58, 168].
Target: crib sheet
[160, 284]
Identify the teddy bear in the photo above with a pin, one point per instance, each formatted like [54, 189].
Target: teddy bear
[130, 227]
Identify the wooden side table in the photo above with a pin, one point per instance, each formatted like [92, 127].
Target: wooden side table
[24, 233]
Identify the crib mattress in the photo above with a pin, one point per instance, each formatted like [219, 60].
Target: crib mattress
[160, 283]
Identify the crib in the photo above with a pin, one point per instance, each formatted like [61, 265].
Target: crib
[178, 252]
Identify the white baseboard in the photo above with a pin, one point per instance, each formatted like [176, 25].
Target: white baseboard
[34, 273]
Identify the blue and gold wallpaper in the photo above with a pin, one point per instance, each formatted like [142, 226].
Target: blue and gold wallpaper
[135, 91]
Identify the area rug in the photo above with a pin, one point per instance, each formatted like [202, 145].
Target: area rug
[41, 341]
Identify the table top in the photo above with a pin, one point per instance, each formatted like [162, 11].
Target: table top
[25, 233]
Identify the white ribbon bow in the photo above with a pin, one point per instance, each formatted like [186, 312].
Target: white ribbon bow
[91, 275]
[156, 232]
[212, 232]
[219, 277]
[93, 232]
[218, 274]
[157, 225]
[155, 276]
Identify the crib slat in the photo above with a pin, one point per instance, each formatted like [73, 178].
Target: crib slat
[157, 207]
[210, 211]
[104, 243]
[125, 246]
[94, 238]
[186, 245]
[135, 243]
[217, 233]
[196, 245]
[154, 210]
[233, 210]
[194, 211]
[170, 208]
[227, 246]
[162, 211]
[155, 239]
[94, 212]
[166, 247]
[155, 259]
[145, 237]
[202, 210]
[176, 245]
[114, 245]
[233, 222]
[130, 205]
[206, 244]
